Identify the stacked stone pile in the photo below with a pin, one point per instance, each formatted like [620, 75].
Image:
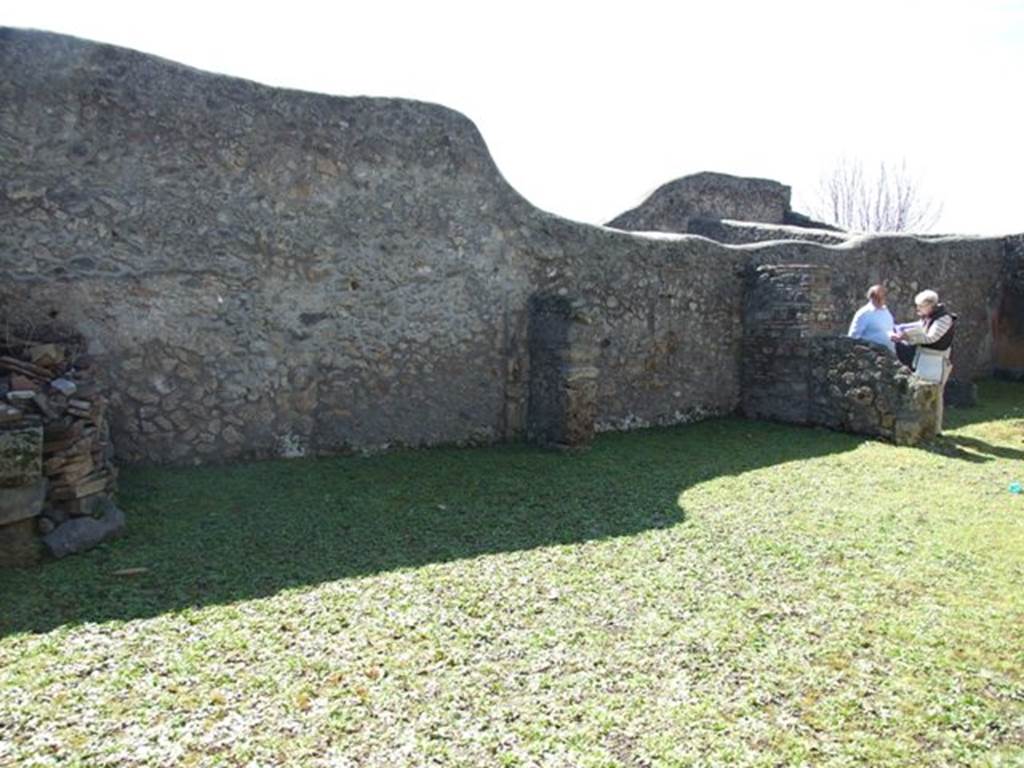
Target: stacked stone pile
[56, 470]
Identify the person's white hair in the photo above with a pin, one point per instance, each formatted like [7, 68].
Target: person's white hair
[927, 297]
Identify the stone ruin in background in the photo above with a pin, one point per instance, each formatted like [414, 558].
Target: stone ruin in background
[714, 204]
[56, 471]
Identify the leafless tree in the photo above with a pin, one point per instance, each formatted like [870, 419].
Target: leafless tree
[889, 201]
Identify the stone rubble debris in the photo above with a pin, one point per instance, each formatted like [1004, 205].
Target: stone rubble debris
[56, 470]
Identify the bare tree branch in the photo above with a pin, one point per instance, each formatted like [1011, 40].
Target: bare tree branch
[889, 201]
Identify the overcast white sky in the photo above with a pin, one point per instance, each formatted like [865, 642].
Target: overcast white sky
[587, 107]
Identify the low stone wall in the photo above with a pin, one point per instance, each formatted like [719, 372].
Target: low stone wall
[967, 272]
[862, 388]
[796, 370]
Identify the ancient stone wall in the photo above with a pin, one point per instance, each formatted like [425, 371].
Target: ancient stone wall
[797, 369]
[262, 272]
[666, 315]
[965, 271]
[861, 388]
[1008, 318]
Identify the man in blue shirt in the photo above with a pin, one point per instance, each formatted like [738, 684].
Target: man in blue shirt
[873, 322]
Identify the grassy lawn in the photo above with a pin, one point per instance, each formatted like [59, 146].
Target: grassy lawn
[725, 593]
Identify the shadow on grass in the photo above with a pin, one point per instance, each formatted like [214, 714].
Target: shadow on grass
[217, 535]
[997, 401]
[972, 449]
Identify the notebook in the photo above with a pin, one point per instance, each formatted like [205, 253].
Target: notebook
[913, 333]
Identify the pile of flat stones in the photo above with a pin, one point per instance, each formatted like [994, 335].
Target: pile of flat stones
[57, 476]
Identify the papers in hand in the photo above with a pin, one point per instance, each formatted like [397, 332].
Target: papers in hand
[912, 332]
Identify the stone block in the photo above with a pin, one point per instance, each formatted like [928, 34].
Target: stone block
[65, 386]
[47, 355]
[83, 533]
[21, 456]
[917, 420]
[23, 502]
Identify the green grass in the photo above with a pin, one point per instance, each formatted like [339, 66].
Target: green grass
[725, 593]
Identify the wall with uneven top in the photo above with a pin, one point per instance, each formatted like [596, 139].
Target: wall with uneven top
[967, 273]
[270, 272]
[265, 272]
[797, 369]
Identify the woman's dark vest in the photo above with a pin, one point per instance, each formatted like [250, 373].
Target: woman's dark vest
[946, 340]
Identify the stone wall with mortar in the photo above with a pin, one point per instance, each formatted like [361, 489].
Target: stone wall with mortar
[263, 272]
[967, 273]
[266, 272]
[796, 369]
[1008, 318]
[861, 388]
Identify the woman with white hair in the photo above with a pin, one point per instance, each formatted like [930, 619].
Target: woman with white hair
[926, 347]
